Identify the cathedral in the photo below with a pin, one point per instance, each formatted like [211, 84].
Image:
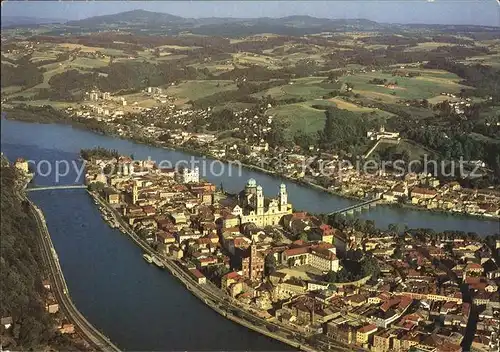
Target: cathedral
[253, 207]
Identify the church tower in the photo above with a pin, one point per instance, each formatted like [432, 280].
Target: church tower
[253, 259]
[135, 193]
[260, 201]
[283, 197]
[253, 250]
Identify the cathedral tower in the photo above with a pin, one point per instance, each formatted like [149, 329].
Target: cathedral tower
[283, 197]
[260, 201]
[135, 193]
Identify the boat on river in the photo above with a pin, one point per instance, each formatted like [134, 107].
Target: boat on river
[147, 258]
[157, 262]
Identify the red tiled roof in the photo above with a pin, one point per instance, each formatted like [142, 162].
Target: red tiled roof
[148, 209]
[300, 215]
[390, 303]
[241, 242]
[232, 229]
[367, 328]
[405, 302]
[418, 190]
[324, 253]
[196, 273]
[203, 240]
[232, 275]
[471, 266]
[296, 251]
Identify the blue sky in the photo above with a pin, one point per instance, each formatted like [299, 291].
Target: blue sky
[485, 12]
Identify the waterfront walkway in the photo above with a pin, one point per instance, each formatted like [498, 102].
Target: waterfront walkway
[60, 289]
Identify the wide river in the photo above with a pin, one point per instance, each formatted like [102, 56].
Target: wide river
[139, 306]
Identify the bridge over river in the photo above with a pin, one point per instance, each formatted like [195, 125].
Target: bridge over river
[352, 208]
[47, 188]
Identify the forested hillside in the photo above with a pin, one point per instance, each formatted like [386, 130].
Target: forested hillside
[21, 274]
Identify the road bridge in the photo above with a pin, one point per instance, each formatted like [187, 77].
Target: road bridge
[46, 188]
[352, 208]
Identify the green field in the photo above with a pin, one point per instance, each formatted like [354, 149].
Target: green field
[428, 46]
[301, 116]
[490, 60]
[106, 51]
[88, 64]
[305, 88]
[415, 150]
[193, 90]
[421, 87]
[255, 59]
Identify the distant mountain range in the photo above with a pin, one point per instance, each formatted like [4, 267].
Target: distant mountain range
[291, 25]
[156, 18]
[129, 17]
[13, 21]
[229, 27]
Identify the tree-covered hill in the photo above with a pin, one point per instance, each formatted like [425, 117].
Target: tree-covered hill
[21, 274]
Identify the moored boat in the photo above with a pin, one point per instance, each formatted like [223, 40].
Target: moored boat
[157, 262]
[147, 258]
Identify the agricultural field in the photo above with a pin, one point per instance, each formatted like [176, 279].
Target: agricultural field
[427, 46]
[215, 67]
[490, 60]
[304, 88]
[345, 105]
[421, 87]
[89, 49]
[300, 116]
[177, 47]
[193, 90]
[255, 59]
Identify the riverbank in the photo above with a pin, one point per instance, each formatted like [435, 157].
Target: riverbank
[439, 211]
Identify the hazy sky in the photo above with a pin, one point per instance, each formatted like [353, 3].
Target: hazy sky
[485, 12]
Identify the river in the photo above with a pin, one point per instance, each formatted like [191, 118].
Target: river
[60, 138]
[135, 304]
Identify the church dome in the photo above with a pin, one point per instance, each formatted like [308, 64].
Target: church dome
[252, 183]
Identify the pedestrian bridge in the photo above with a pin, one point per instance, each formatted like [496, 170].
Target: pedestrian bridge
[352, 208]
[46, 188]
